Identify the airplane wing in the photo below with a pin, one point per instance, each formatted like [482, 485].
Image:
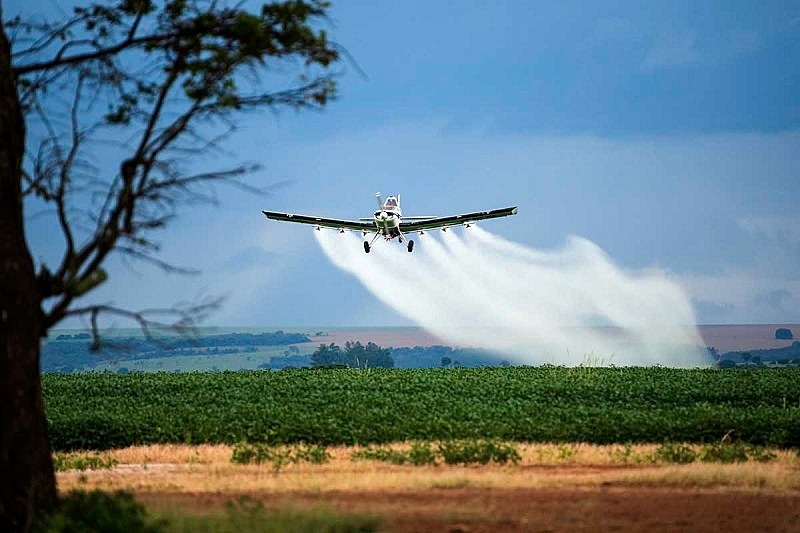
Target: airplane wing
[321, 222]
[455, 220]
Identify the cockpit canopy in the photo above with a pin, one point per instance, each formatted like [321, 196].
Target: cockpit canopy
[391, 202]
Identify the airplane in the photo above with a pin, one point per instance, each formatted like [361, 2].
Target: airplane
[389, 221]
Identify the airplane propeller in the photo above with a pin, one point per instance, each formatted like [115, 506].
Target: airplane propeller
[380, 202]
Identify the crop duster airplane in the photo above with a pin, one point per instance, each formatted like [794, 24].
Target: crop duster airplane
[389, 221]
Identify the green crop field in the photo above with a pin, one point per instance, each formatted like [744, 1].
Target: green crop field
[556, 404]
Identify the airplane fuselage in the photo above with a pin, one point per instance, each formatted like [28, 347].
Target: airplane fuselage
[388, 217]
[387, 221]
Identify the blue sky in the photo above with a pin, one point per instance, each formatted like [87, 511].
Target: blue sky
[668, 133]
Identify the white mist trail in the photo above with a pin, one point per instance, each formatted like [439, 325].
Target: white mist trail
[568, 306]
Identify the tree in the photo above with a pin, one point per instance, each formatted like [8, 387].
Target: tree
[167, 83]
[446, 361]
[783, 333]
[326, 354]
[354, 355]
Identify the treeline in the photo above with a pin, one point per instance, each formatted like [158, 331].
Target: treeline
[445, 356]
[69, 352]
[353, 355]
[356, 355]
[790, 355]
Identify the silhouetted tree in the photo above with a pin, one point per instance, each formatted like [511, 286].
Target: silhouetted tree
[354, 355]
[783, 333]
[326, 354]
[446, 361]
[165, 80]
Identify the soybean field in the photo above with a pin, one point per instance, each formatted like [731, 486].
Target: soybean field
[347, 406]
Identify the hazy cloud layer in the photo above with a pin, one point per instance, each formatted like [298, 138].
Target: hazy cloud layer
[716, 211]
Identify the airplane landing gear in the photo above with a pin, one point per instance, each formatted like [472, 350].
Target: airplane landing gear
[410, 246]
[366, 246]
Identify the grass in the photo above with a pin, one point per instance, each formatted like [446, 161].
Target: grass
[112, 512]
[82, 461]
[456, 452]
[249, 515]
[745, 476]
[208, 469]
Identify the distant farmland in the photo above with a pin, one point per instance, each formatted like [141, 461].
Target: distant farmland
[536, 404]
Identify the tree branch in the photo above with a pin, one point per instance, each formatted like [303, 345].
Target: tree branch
[100, 53]
[186, 318]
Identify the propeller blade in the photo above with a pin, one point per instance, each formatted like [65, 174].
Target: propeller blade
[380, 202]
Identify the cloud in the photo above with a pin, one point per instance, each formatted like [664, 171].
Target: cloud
[716, 212]
[774, 299]
[742, 297]
[687, 48]
[673, 49]
[776, 228]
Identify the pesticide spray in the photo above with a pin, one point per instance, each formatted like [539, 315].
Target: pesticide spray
[569, 306]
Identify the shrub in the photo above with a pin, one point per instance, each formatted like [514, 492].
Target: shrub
[245, 453]
[761, 454]
[420, 454]
[311, 453]
[451, 452]
[627, 455]
[478, 451]
[92, 461]
[724, 453]
[97, 511]
[675, 453]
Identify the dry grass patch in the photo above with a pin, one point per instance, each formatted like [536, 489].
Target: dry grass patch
[173, 454]
[753, 476]
[207, 468]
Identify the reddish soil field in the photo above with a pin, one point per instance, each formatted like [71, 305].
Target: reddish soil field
[494, 510]
[724, 338]
[746, 337]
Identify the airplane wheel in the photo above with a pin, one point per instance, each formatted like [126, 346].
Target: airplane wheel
[366, 246]
[410, 246]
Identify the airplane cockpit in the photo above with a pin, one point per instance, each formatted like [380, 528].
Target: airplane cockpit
[391, 203]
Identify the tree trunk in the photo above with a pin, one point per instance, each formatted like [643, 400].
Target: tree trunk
[27, 482]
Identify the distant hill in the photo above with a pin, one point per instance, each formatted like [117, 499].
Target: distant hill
[66, 353]
[789, 355]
